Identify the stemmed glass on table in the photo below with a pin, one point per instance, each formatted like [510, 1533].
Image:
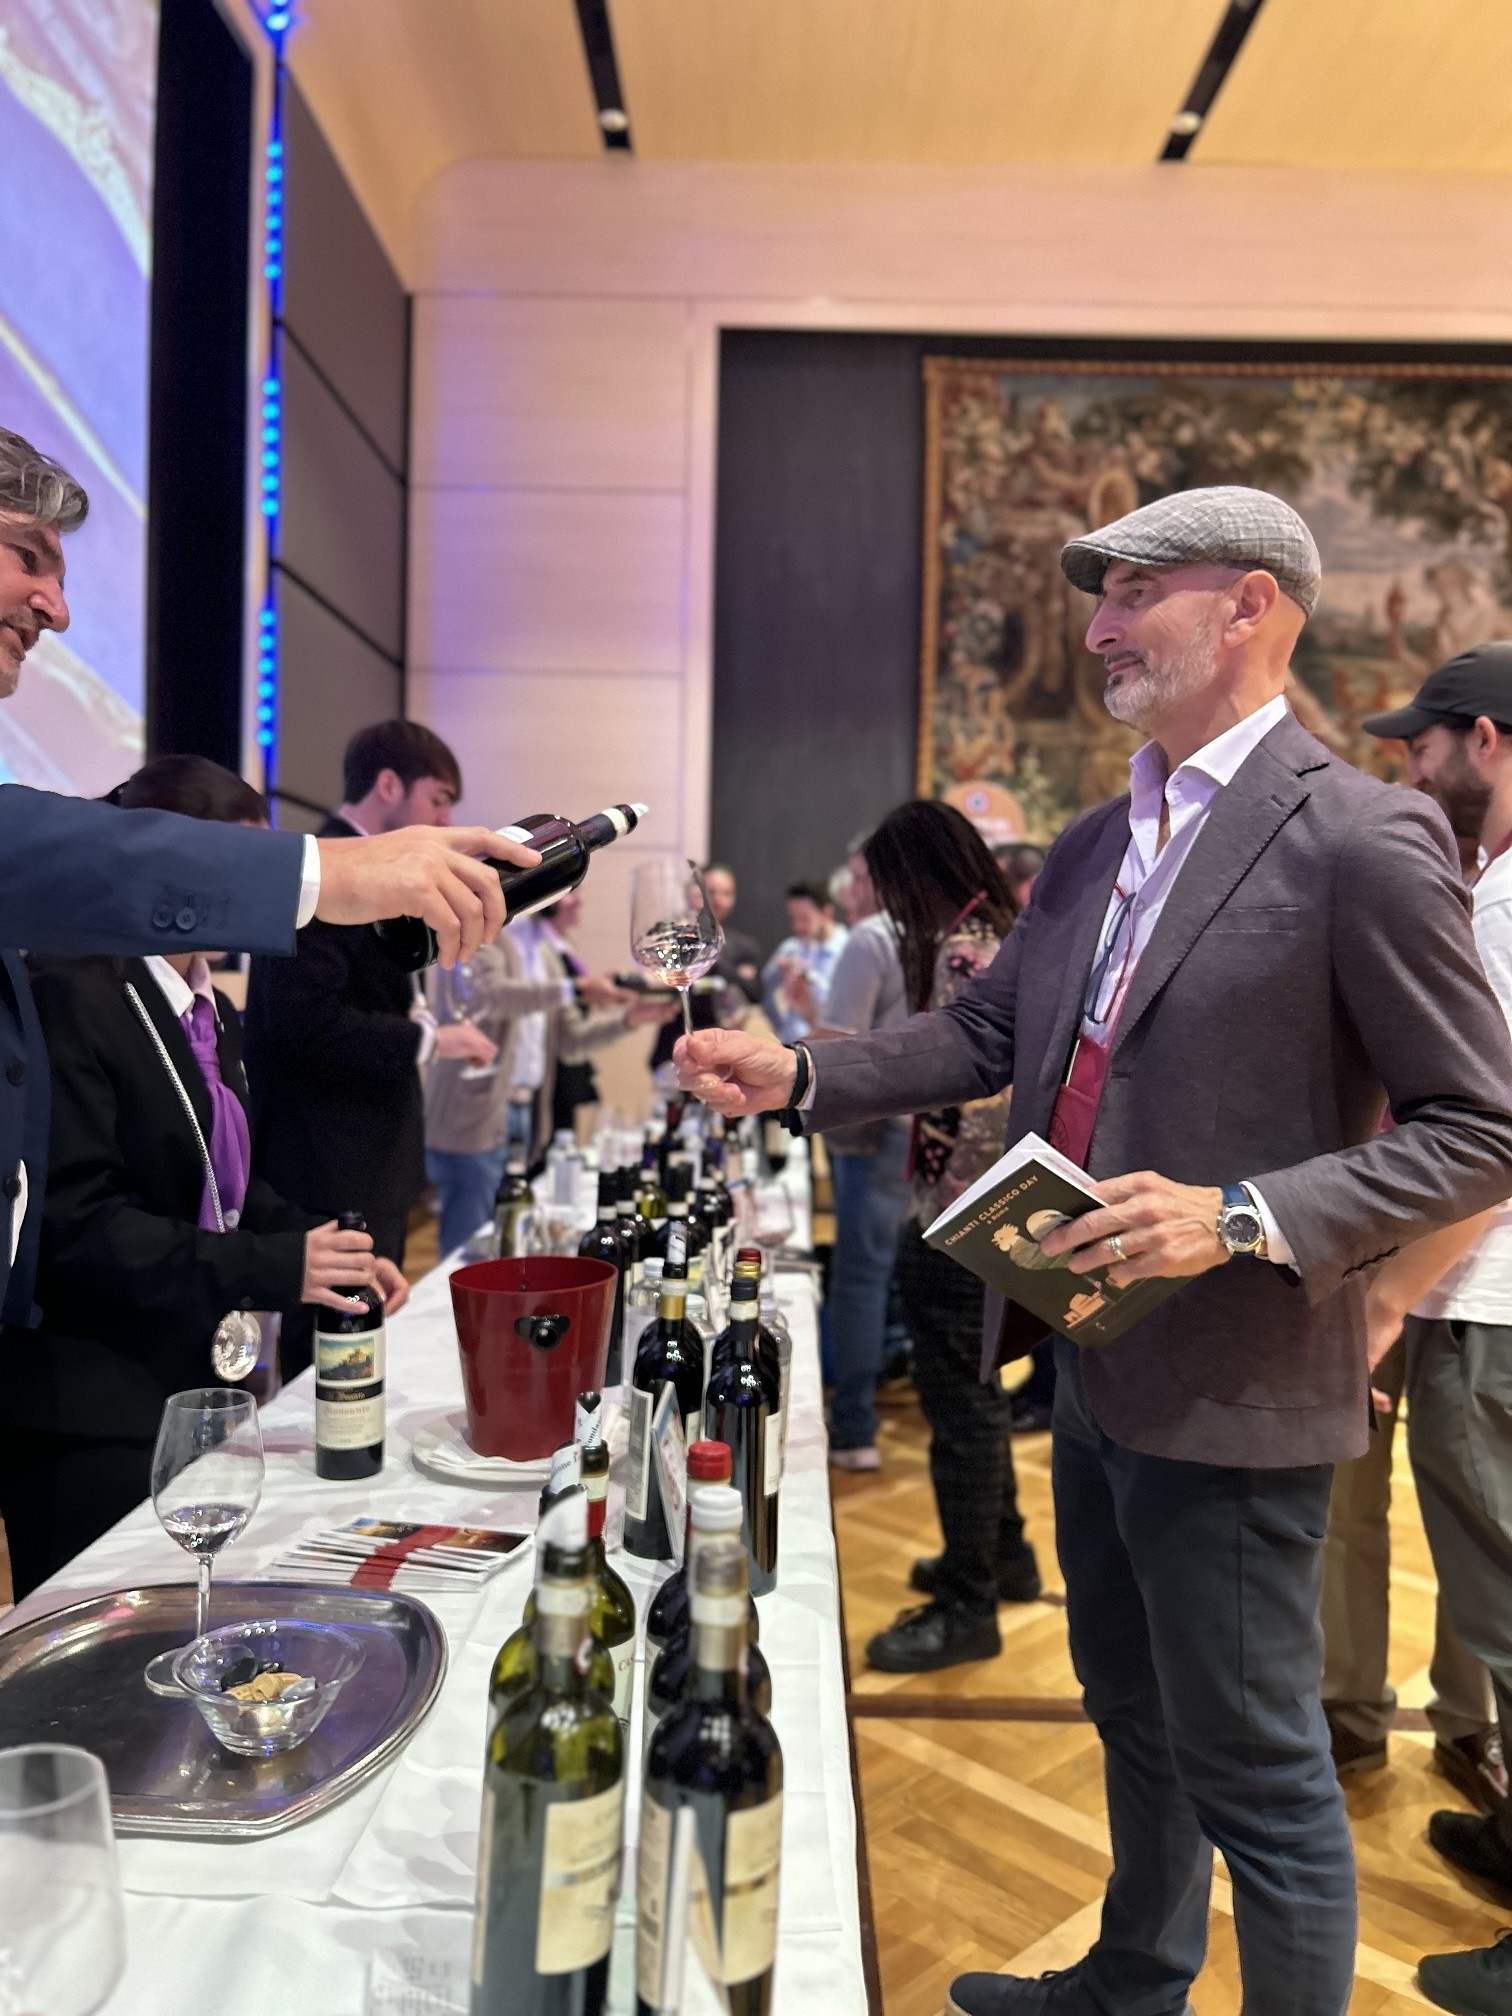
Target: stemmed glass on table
[207, 1475]
[62, 1927]
[674, 934]
[456, 998]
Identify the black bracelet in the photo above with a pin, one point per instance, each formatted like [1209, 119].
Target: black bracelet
[790, 1117]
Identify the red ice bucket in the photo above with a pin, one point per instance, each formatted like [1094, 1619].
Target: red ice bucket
[533, 1334]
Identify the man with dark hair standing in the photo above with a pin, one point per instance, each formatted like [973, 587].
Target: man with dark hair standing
[1222, 980]
[335, 1036]
[84, 877]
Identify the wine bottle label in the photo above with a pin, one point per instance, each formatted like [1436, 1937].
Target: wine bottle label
[638, 1473]
[349, 1389]
[485, 1867]
[753, 1861]
[624, 1681]
[580, 1872]
[652, 1894]
[771, 1436]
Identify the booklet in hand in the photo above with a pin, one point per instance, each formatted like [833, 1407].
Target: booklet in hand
[995, 1229]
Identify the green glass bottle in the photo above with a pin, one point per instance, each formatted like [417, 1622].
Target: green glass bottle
[514, 1667]
[612, 1613]
[711, 1815]
[553, 1809]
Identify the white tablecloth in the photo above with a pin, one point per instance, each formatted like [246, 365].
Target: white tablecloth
[295, 1922]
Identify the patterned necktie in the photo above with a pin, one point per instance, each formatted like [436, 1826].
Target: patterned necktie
[230, 1141]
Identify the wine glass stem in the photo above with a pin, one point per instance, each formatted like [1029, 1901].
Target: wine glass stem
[682, 995]
[202, 1603]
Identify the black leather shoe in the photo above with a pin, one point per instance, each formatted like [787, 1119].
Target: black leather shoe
[1057, 1994]
[935, 1635]
[1018, 1579]
[1475, 1766]
[1477, 1983]
[1474, 1844]
[1351, 1752]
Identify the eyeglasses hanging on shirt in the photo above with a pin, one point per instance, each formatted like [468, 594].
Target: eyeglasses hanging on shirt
[1099, 999]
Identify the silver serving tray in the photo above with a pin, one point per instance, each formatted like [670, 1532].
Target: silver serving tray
[75, 1676]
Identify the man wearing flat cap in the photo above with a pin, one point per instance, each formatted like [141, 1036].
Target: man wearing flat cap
[1222, 980]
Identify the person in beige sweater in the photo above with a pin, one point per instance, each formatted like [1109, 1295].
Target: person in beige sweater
[522, 994]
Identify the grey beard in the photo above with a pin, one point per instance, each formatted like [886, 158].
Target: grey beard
[1142, 702]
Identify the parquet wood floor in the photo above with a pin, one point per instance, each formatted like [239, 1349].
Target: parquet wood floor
[987, 1836]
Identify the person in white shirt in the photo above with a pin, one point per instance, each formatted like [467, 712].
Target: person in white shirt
[796, 978]
[1449, 1299]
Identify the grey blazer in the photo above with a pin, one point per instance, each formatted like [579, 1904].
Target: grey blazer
[1313, 958]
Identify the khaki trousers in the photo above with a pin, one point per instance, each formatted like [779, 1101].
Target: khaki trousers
[1356, 1607]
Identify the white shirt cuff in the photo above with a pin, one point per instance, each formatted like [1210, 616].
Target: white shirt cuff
[1277, 1245]
[309, 883]
[806, 1102]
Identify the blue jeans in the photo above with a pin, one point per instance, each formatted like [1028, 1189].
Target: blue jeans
[871, 1203]
[465, 1186]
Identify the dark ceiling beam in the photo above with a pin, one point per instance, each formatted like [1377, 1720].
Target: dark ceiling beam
[603, 73]
[1239, 17]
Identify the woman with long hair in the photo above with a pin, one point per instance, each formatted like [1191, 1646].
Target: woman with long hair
[952, 908]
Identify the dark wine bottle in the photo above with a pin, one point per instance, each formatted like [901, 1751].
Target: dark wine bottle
[629, 1226]
[679, 1193]
[670, 1352]
[718, 1515]
[604, 1242]
[708, 1463]
[711, 1816]
[349, 1369]
[768, 1353]
[565, 847]
[514, 1197]
[553, 1811]
[612, 1613]
[742, 1411]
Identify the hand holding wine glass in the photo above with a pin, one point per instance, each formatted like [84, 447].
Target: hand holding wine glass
[207, 1475]
[674, 934]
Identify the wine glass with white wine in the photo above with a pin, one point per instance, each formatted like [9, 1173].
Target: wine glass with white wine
[674, 934]
[207, 1475]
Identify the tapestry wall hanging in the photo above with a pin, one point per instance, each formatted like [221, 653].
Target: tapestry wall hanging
[1404, 473]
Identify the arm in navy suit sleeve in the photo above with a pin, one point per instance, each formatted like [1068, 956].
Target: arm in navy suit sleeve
[945, 1057]
[80, 876]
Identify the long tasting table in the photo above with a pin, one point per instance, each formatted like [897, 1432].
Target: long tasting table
[333, 1915]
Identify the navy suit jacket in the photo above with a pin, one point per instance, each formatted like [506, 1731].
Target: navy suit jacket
[78, 876]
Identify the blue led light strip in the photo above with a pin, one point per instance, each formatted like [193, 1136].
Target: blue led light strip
[276, 21]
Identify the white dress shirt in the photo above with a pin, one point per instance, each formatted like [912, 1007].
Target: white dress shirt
[1478, 1287]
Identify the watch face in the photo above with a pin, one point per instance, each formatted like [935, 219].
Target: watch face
[1241, 1229]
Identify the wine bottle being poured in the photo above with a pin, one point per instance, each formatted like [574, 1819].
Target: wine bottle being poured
[565, 847]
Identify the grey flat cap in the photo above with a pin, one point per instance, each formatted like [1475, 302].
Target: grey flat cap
[1225, 526]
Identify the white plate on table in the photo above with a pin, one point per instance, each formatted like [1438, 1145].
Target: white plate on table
[441, 1449]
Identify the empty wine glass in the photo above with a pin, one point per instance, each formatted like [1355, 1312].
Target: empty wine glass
[674, 934]
[62, 1927]
[207, 1475]
[455, 996]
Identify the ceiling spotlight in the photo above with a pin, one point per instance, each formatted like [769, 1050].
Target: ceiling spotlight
[613, 120]
[1186, 123]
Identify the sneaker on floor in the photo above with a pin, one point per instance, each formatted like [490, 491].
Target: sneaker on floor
[1475, 1766]
[1477, 1983]
[934, 1635]
[1057, 1994]
[1473, 1842]
[867, 1457]
[1018, 1579]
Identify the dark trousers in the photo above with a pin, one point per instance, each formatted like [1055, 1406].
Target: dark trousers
[60, 1492]
[1459, 1436]
[970, 1454]
[1192, 1596]
[296, 1344]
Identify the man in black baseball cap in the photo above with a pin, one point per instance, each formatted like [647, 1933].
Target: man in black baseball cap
[1450, 1297]
[1449, 755]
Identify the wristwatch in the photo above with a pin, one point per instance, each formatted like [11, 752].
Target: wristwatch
[1240, 1227]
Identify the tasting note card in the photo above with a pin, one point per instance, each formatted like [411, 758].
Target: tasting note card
[995, 1229]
